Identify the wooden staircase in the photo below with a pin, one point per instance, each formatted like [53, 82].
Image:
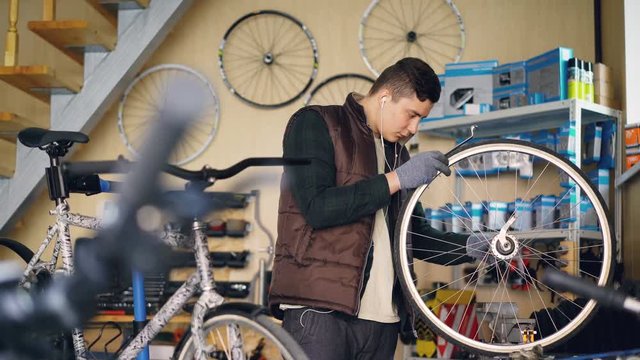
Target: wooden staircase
[55, 91]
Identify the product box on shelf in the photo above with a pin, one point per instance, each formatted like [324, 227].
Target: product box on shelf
[524, 210]
[608, 151]
[592, 143]
[509, 75]
[633, 157]
[547, 74]
[566, 139]
[545, 138]
[468, 83]
[568, 203]
[475, 109]
[543, 211]
[632, 135]
[600, 178]
[588, 216]
[509, 97]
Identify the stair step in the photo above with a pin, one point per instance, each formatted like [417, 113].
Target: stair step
[109, 8]
[11, 123]
[73, 36]
[37, 80]
[8, 163]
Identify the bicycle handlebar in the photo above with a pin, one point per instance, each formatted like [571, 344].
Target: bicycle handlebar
[205, 174]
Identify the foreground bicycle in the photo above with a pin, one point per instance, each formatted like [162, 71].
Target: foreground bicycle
[234, 331]
[537, 211]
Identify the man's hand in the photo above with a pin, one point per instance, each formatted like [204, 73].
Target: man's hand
[422, 168]
[479, 244]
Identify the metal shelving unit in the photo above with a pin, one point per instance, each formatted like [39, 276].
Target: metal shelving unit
[540, 117]
[533, 118]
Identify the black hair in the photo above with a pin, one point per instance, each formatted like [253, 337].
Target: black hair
[407, 77]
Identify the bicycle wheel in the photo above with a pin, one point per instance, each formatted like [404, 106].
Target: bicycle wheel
[335, 89]
[497, 305]
[394, 29]
[260, 336]
[268, 58]
[145, 96]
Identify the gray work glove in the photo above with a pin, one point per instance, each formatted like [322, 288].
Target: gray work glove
[422, 168]
[478, 245]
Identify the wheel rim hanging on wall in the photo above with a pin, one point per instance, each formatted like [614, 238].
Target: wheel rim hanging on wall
[431, 30]
[144, 97]
[333, 90]
[268, 58]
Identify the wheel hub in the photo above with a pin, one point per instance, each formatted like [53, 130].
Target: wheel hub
[268, 58]
[505, 248]
[412, 36]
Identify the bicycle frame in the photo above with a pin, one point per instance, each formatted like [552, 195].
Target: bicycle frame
[209, 299]
[60, 231]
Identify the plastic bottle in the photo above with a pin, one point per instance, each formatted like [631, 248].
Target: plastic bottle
[589, 94]
[573, 80]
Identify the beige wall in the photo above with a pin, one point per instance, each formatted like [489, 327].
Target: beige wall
[504, 30]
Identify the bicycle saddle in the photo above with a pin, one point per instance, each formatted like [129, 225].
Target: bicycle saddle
[37, 137]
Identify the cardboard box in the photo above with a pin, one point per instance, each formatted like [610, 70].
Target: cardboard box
[632, 135]
[510, 97]
[632, 160]
[468, 83]
[608, 102]
[604, 89]
[601, 72]
[547, 74]
[509, 75]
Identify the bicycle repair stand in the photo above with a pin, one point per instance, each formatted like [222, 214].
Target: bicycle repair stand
[139, 309]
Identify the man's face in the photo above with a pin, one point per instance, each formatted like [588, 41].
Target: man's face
[400, 117]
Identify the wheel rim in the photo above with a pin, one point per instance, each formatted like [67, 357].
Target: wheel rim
[268, 58]
[216, 331]
[335, 89]
[563, 332]
[143, 99]
[390, 30]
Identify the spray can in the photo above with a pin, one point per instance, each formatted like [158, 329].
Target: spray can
[573, 80]
[583, 75]
[589, 94]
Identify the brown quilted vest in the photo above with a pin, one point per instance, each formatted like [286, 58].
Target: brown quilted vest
[324, 268]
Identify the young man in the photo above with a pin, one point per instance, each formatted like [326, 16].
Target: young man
[333, 280]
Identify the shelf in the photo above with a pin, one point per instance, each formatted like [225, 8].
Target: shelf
[521, 119]
[556, 234]
[178, 319]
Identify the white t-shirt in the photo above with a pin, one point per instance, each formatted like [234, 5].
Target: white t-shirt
[377, 301]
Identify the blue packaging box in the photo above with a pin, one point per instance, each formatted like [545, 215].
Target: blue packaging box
[510, 97]
[547, 74]
[509, 75]
[468, 83]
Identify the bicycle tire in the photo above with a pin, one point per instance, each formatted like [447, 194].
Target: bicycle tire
[20, 249]
[333, 90]
[264, 65]
[393, 29]
[404, 269]
[249, 316]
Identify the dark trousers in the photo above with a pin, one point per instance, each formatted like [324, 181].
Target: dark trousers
[337, 336]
